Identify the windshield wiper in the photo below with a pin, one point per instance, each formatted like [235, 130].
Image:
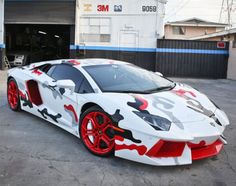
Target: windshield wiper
[170, 87]
[129, 91]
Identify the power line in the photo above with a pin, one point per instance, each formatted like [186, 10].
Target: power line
[222, 6]
[174, 7]
[178, 9]
[229, 8]
[226, 12]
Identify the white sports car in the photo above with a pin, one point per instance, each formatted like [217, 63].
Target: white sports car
[119, 109]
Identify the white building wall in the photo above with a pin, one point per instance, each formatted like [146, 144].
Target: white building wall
[1, 23]
[135, 23]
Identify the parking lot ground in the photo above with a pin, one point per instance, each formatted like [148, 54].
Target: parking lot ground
[34, 152]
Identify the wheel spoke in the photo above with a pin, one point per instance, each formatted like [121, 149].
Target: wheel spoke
[90, 133]
[10, 91]
[94, 117]
[105, 121]
[9, 97]
[94, 123]
[106, 139]
[107, 127]
[96, 142]
[14, 100]
[16, 96]
[84, 128]
[10, 87]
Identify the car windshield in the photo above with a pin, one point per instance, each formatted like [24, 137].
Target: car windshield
[127, 79]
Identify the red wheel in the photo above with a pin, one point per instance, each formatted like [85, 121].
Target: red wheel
[96, 132]
[13, 95]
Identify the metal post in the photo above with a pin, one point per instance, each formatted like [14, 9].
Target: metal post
[77, 23]
[2, 45]
[74, 44]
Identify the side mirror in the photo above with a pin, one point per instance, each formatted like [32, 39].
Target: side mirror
[159, 74]
[69, 84]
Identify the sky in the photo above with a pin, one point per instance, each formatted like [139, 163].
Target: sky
[203, 9]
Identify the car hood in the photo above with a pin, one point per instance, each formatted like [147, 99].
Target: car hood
[181, 105]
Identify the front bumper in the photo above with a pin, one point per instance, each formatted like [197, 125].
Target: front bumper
[198, 140]
[205, 151]
[166, 153]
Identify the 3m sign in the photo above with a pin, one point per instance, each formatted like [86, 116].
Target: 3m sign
[103, 8]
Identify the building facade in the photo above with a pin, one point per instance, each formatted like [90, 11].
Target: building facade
[225, 35]
[187, 29]
[117, 29]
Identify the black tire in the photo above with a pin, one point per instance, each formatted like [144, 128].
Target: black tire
[17, 107]
[88, 111]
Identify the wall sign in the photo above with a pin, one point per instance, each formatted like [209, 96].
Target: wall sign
[87, 7]
[103, 8]
[122, 7]
[149, 8]
[117, 8]
[221, 44]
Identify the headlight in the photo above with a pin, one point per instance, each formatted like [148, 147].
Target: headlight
[157, 122]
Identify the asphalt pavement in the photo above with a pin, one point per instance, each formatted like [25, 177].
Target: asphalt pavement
[33, 152]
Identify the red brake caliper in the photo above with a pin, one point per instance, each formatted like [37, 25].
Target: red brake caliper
[94, 133]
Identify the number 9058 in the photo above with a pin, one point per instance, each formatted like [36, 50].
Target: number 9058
[149, 8]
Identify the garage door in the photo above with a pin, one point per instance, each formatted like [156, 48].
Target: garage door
[40, 12]
[195, 59]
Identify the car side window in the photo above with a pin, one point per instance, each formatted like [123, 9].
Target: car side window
[85, 87]
[64, 71]
[45, 68]
[49, 72]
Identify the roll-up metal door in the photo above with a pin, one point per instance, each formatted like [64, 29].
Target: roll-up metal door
[40, 12]
[195, 59]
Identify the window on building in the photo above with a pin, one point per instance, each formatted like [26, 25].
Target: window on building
[95, 29]
[179, 30]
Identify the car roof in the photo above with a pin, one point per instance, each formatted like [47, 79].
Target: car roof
[92, 62]
[77, 63]
[87, 62]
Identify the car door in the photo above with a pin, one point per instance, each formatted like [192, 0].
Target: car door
[61, 100]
